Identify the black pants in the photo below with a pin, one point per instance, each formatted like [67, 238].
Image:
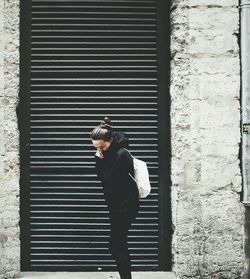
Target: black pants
[120, 221]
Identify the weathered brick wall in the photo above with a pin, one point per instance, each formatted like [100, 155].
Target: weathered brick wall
[9, 139]
[208, 241]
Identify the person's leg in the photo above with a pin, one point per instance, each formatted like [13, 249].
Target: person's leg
[118, 243]
[120, 224]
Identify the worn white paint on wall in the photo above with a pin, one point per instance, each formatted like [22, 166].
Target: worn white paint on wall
[208, 217]
[9, 140]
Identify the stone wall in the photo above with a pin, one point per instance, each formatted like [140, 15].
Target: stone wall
[208, 217]
[9, 139]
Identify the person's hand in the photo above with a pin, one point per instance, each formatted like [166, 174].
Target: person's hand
[99, 153]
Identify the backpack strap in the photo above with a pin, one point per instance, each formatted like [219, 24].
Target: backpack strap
[133, 158]
[128, 151]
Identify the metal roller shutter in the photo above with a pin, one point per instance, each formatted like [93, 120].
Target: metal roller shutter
[88, 59]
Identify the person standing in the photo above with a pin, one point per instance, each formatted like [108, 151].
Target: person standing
[112, 165]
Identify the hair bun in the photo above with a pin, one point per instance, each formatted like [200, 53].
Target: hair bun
[106, 123]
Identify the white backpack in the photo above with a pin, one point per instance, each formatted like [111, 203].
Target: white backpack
[141, 177]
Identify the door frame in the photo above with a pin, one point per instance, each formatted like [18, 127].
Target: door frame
[164, 132]
[23, 117]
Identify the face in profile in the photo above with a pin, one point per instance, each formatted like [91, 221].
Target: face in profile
[101, 145]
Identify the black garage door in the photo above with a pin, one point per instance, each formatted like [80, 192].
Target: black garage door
[82, 60]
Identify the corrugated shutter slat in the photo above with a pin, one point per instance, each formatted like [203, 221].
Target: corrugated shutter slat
[89, 59]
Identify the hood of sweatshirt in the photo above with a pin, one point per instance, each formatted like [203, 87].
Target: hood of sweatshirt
[120, 139]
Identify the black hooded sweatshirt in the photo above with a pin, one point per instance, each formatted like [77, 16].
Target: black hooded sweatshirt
[118, 187]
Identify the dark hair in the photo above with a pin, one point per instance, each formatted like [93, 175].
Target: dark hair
[103, 131]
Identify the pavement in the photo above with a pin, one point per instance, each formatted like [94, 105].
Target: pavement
[96, 275]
